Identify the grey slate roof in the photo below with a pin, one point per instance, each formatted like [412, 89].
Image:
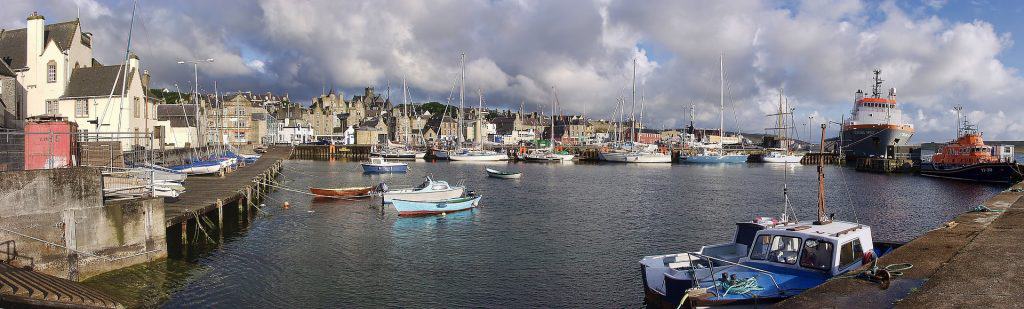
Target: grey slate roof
[13, 42]
[5, 70]
[95, 81]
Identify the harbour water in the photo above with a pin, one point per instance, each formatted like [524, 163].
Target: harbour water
[563, 235]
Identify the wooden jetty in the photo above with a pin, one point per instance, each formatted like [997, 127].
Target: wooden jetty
[326, 152]
[213, 196]
[25, 288]
[812, 158]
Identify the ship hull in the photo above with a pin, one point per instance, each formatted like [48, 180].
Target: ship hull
[873, 141]
[982, 172]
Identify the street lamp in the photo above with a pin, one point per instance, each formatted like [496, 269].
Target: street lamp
[195, 67]
[810, 125]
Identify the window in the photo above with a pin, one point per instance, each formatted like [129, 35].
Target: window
[81, 108]
[850, 253]
[135, 107]
[780, 249]
[817, 254]
[52, 108]
[51, 72]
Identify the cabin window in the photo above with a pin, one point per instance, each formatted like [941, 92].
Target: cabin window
[817, 254]
[850, 253]
[779, 249]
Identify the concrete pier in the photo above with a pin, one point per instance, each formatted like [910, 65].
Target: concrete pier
[972, 261]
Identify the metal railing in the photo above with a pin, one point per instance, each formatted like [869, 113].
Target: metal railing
[712, 266]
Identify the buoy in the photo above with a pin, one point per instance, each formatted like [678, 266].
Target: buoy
[286, 205]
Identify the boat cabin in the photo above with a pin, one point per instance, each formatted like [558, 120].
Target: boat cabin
[831, 248]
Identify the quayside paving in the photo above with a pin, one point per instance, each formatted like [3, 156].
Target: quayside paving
[973, 261]
[202, 192]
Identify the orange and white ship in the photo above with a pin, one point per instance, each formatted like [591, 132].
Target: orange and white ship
[875, 123]
[968, 158]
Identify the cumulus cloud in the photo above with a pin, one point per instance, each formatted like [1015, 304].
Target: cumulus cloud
[820, 52]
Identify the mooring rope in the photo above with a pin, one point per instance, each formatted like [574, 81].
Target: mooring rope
[49, 243]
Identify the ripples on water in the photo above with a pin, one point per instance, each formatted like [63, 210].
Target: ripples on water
[563, 235]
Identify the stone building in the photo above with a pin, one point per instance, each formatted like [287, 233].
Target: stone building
[440, 128]
[12, 105]
[238, 121]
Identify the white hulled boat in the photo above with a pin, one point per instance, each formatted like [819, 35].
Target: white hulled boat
[709, 153]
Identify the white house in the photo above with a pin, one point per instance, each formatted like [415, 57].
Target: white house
[55, 67]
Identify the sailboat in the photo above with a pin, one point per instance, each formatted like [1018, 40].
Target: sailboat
[549, 154]
[401, 152]
[785, 152]
[717, 154]
[633, 151]
[476, 153]
[770, 260]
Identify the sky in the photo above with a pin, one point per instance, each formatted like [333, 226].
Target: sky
[936, 53]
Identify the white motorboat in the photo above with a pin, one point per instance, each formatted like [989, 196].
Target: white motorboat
[781, 157]
[477, 155]
[429, 190]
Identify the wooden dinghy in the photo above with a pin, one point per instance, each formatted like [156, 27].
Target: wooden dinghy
[503, 175]
[342, 192]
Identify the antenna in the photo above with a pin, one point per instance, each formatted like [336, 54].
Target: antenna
[876, 89]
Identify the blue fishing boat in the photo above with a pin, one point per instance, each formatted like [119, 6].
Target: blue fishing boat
[379, 165]
[426, 208]
[769, 260]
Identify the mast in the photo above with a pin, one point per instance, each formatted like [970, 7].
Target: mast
[462, 93]
[551, 143]
[822, 219]
[632, 109]
[405, 112]
[476, 129]
[721, 115]
[641, 128]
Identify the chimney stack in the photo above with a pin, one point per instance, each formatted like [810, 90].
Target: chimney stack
[133, 62]
[145, 79]
[36, 30]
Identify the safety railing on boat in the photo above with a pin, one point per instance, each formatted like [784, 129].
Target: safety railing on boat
[712, 266]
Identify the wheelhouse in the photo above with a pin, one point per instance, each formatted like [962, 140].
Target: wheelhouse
[832, 248]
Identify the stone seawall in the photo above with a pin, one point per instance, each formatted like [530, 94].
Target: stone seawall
[55, 222]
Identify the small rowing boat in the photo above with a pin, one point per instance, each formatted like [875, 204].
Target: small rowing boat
[342, 192]
[503, 175]
[426, 208]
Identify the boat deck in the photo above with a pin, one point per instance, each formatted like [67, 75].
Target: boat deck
[972, 261]
[202, 192]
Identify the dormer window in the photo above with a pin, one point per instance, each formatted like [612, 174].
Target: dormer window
[51, 72]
